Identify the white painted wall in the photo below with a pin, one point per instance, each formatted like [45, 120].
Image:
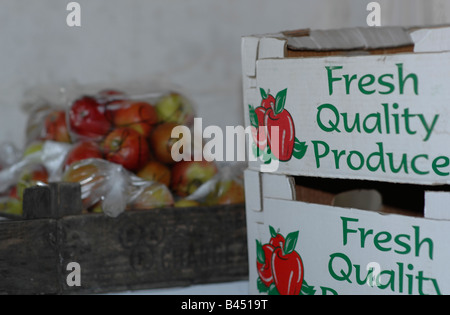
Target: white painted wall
[193, 43]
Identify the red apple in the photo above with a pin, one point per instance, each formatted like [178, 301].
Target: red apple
[264, 263]
[56, 127]
[287, 272]
[268, 101]
[279, 119]
[140, 116]
[277, 240]
[91, 179]
[161, 142]
[81, 172]
[13, 193]
[260, 113]
[126, 147]
[258, 129]
[287, 266]
[87, 119]
[157, 172]
[111, 93]
[82, 151]
[188, 176]
[108, 97]
[281, 143]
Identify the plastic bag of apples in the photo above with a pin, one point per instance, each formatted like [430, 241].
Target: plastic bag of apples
[118, 146]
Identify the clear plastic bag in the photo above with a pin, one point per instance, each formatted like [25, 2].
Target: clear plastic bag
[226, 187]
[117, 143]
[40, 164]
[47, 116]
[114, 188]
[94, 116]
[131, 129]
[9, 154]
[48, 155]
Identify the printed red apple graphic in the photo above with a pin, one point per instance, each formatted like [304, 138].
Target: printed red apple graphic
[264, 262]
[126, 147]
[287, 267]
[276, 240]
[280, 129]
[258, 126]
[268, 101]
[87, 119]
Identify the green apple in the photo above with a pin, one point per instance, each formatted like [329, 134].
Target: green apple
[175, 108]
[226, 192]
[154, 196]
[185, 203]
[188, 176]
[12, 206]
[33, 147]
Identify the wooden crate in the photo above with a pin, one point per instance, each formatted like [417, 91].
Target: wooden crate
[138, 250]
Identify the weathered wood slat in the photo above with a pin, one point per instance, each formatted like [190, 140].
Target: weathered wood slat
[53, 201]
[29, 257]
[156, 248]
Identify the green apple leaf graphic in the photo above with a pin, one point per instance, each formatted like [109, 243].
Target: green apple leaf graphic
[260, 252]
[300, 149]
[261, 286]
[291, 242]
[307, 289]
[267, 156]
[280, 101]
[273, 290]
[257, 152]
[273, 232]
[263, 93]
[253, 117]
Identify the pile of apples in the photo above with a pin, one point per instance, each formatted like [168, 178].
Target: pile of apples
[137, 134]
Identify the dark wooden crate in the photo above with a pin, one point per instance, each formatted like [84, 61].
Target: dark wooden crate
[138, 250]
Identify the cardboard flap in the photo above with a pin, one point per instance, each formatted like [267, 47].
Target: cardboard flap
[352, 38]
[431, 39]
[436, 205]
